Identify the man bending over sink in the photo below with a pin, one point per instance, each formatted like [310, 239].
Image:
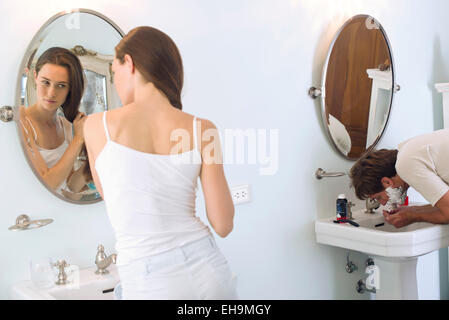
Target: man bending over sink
[421, 162]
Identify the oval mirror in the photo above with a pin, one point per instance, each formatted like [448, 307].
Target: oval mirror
[48, 83]
[357, 86]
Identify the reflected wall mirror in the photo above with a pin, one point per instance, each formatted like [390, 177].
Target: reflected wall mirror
[357, 86]
[91, 37]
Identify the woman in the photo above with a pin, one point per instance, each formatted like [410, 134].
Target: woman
[163, 250]
[50, 144]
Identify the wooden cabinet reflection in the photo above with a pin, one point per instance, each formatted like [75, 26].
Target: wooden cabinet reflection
[348, 87]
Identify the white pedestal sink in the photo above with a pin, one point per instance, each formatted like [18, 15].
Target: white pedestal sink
[394, 251]
[90, 287]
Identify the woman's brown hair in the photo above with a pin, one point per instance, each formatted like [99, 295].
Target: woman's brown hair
[366, 174]
[157, 58]
[66, 58]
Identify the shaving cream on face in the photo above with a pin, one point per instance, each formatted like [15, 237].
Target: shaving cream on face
[396, 197]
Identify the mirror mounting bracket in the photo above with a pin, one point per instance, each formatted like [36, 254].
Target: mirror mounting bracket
[6, 114]
[315, 92]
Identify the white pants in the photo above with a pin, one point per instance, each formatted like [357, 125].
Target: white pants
[197, 270]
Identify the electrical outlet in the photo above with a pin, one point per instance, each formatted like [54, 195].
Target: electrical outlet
[240, 194]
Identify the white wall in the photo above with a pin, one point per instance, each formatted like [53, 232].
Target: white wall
[248, 64]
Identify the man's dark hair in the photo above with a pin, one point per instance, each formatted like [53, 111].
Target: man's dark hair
[366, 174]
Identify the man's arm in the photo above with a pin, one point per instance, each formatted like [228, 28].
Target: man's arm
[438, 214]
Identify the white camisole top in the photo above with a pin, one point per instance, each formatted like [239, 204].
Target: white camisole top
[150, 198]
[52, 156]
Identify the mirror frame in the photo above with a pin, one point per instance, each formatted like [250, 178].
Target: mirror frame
[29, 52]
[323, 85]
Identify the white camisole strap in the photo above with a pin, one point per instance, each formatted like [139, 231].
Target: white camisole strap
[106, 131]
[32, 127]
[195, 141]
[64, 129]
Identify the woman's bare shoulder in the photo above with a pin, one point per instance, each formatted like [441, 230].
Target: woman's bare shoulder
[92, 124]
[206, 124]
[23, 112]
[94, 117]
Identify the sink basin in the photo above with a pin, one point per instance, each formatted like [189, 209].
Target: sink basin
[395, 251]
[385, 240]
[90, 287]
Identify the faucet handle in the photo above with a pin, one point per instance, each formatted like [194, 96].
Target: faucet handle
[61, 264]
[62, 276]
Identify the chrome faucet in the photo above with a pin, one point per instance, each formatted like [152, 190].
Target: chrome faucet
[103, 261]
[371, 205]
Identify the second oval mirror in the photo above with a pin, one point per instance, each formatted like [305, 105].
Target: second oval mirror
[357, 86]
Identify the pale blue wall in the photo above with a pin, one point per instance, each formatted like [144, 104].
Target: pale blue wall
[248, 64]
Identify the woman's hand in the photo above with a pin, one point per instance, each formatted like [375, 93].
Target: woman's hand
[78, 125]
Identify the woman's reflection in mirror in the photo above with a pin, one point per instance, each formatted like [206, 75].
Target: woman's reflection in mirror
[54, 141]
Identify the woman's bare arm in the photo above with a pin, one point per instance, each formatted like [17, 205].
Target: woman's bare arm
[56, 175]
[219, 205]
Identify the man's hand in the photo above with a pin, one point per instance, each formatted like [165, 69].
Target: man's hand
[400, 217]
[403, 216]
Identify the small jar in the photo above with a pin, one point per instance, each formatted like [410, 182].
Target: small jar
[342, 207]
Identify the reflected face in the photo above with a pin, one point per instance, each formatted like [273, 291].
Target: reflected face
[43, 92]
[52, 84]
[123, 81]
